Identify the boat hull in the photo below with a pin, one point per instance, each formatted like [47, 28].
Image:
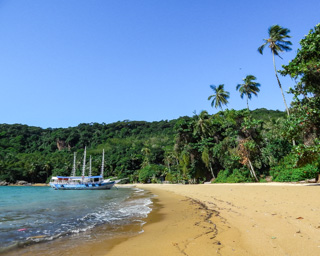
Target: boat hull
[84, 186]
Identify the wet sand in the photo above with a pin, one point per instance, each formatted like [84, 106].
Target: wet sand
[229, 219]
[177, 228]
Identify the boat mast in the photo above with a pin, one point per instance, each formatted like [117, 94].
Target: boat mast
[84, 161]
[74, 165]
[90, 174]
[102, 165]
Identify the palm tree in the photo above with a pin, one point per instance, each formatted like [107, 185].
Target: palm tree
[206, 157]
[220, 97]
[248, 88]
[202, 125]
[277, 43]
[146, 152]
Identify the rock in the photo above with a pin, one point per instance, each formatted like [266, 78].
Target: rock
[3, 183]
[269, 178]
[22, 182]
[61, 144]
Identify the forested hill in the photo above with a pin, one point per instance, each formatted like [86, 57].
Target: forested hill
[34, 154]
[19, 138]
[28, 139]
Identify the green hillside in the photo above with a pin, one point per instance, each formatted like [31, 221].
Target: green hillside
[34, 154]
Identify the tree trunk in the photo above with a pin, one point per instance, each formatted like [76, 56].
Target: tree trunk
[284, 99]
[247, 102]
[210, 165]
[253, 173]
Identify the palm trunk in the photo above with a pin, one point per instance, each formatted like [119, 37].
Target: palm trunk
[284, 99]
[247, 102]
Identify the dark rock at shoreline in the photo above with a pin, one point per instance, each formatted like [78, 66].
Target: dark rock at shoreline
[4, 183]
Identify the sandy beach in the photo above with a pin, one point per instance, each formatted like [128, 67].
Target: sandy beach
[229, 219]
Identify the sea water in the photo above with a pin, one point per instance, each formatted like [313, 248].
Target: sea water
[31, 215]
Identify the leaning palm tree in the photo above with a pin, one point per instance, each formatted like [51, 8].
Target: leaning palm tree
[248, 88]
[277, 43]
[220, 97]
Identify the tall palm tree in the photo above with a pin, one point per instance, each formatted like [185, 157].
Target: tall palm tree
[277, 43]
[220, 97]
[248, 88]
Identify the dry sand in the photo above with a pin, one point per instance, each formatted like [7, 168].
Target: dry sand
[230, 219]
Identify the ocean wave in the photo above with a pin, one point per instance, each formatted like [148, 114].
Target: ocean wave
[79, 215]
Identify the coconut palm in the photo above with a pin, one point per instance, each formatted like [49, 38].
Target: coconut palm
[201, 126]
[277, 43]
[248, 88]
[220, 97]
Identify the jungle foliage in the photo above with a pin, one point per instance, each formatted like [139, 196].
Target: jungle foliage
[183, 149]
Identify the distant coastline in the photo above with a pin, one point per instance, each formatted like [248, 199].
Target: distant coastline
[34, 185]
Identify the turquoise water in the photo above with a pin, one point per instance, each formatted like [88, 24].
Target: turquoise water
[30, 215]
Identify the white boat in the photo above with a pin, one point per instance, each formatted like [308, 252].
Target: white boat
[82, 182]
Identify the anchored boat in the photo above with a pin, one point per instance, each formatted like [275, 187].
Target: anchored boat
[82, 182]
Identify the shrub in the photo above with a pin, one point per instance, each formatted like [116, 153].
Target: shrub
[150, 172]
[235, 176]
[294, 174]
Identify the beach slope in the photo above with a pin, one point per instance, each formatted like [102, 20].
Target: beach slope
[230, 219]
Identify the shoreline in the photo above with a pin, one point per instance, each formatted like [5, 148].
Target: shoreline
[216, 219]
[176, 228]
[29, 185]
[170, 213]
[250, 219]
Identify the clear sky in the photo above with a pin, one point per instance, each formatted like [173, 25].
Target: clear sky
[66, 62]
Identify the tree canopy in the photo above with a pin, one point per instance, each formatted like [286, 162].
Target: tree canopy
[306, 65]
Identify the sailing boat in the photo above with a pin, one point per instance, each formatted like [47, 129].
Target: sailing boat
[82, 182]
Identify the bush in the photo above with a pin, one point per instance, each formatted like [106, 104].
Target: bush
[288, 170]
[235, 176]
[294, 174]
[150, 172]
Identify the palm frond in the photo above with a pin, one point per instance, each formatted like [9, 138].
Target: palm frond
[213, 87]
[276, 41]
[260, 49]
[220, 97]
[249, 87]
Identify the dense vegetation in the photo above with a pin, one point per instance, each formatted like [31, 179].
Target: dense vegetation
[230, 146]
[34, 154]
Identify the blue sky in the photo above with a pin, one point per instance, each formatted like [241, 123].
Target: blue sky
[66, 62]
